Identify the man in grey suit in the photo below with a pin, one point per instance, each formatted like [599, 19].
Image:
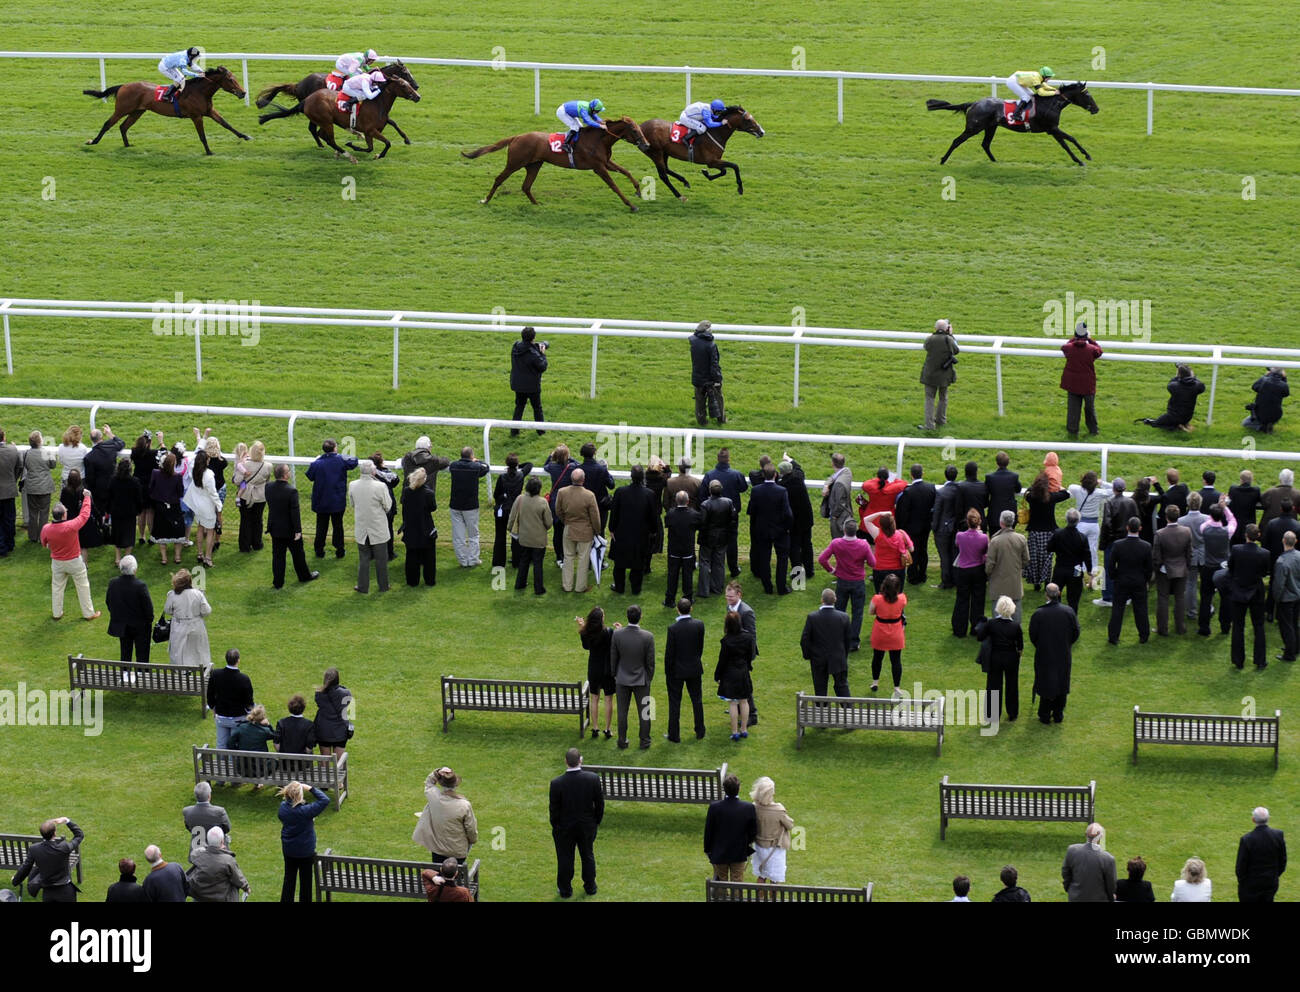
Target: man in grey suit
[1171, 557]
[827, 634]
[50, 859]
[1088, 873]
[203, 816]
[839, 496]
[632, 660]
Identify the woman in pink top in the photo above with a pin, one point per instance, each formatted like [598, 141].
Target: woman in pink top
[1052, 466]
[968, 570]
[891, 543]
[887, 632]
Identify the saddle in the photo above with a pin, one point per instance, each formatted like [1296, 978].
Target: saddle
[348, 105]
[1009, 109]
[683, 135]
[167, 94]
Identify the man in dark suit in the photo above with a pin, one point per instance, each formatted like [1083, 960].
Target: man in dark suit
[733, 484]
[729, 831]
[749, 624]
[974, 494]
[947, 511]
[1003, 487]
[1175, 495]
[1248, 567]
[684, 666]
[1261, 860]
[1129, 568]
[1171, 557]
[1209, 495]
[597, 481]
[50, 859]
[230, 696]
[791, 478]
[527, 363]
[827, 636]
[1088, 874]
[770, 522]
[130, 612]
[577, 807]
[913, 511]
[633, 520]
[720, 516]
[284, 524]
[1072, 558]
[682, 524]
[632, 661]
[329, 494]
[100, 464]
[1053, 628]
[1115, 514]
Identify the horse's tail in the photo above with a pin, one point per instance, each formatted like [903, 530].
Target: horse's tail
[486, 149]
[960, 108]
[277, 114]
[100, 94]
[271, 92]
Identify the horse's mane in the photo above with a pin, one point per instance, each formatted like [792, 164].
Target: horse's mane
[735, 108]
[1077, 86]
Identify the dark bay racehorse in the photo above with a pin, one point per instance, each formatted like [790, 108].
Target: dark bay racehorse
[322, 111]
[194, 102]
[532, 150]
[316, 81]
[708, 147]
[987, 115]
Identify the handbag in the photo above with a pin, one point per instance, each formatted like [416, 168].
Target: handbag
[1022, 514]
[162, 630]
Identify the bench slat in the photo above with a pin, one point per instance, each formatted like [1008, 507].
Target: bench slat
[1206, 729]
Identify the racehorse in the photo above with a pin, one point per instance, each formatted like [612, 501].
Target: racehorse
[322, 111]
[592, 151]
[316, 81]
[194, 102]
[988, 115]
[708, 147]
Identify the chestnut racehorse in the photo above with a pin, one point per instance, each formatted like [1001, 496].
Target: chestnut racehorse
[195, 102]
[530, 151]
[316, 81]
[322, 111]
[708, 147]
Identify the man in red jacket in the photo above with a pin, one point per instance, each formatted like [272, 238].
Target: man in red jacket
[1079, 379]
[63, 539]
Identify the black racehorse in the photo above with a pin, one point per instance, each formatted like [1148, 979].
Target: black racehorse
[316, 81]
[988, 115]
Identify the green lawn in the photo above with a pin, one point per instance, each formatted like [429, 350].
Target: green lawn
[847, 222]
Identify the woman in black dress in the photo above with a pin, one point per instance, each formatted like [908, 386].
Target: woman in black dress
[144, 459]
[125, 501]
[71, 496]
[1006, 643]
[165, 490]
[596, 638]
[735, 660]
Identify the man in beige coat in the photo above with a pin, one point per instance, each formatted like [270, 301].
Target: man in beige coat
[577, 512]
[447, 826]
[530, 519]
[1008, 557]
[370, 501]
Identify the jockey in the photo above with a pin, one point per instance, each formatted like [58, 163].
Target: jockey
[1026, 85]
[179, 68]
[361, 86]
[351, 63]
[699, 117]
[577, 114]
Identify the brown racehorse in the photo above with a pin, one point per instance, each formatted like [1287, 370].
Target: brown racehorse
[322, 111]
[708, 147]
[316, 81]
[532, 150]
[195, 102]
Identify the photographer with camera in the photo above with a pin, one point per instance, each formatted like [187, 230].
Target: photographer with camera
[527, 363]
[938, 373]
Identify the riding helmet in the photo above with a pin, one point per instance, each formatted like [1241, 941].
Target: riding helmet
[1046, 72]
[192, 53]
[597, 106]
[717, 106]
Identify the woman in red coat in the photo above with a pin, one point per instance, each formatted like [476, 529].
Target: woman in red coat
[887, 632]
[1080, 379]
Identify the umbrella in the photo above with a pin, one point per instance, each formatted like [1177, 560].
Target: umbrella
[598, 556]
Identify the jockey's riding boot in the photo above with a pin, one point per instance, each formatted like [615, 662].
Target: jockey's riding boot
[571, 139]
[1019, 116]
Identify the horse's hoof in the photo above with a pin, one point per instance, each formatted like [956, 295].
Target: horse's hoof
[406, 140]
[681, 198]
[634, 208]
[483, 202]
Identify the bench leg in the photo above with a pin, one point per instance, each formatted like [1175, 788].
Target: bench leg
[1135, 751]
[943, 827]
[798, 740]
[447, 716]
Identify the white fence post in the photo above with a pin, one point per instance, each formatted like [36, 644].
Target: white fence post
[198, 342]
[839, 106]
[688, 85]
[103, 81]
[537, 92]
[245, 61]
[995, 89]
[94, 412]
[1105, 457]
[1214, 381]
[293, 420]
[798, 332]
[899, 463]
[997, 361]
[1151, 106]
[9, 354]
[397, 319]
[595, 342]
[487, 451]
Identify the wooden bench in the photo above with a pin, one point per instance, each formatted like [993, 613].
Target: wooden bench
[509, 696]
[13, 852]
[868, 713]
[378, 877]
[1043, 803]
[660, 785]
[1206, 729]
[262, 768]
[129, 676]
[715, 891]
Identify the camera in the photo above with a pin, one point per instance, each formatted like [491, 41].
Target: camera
[544, 345]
